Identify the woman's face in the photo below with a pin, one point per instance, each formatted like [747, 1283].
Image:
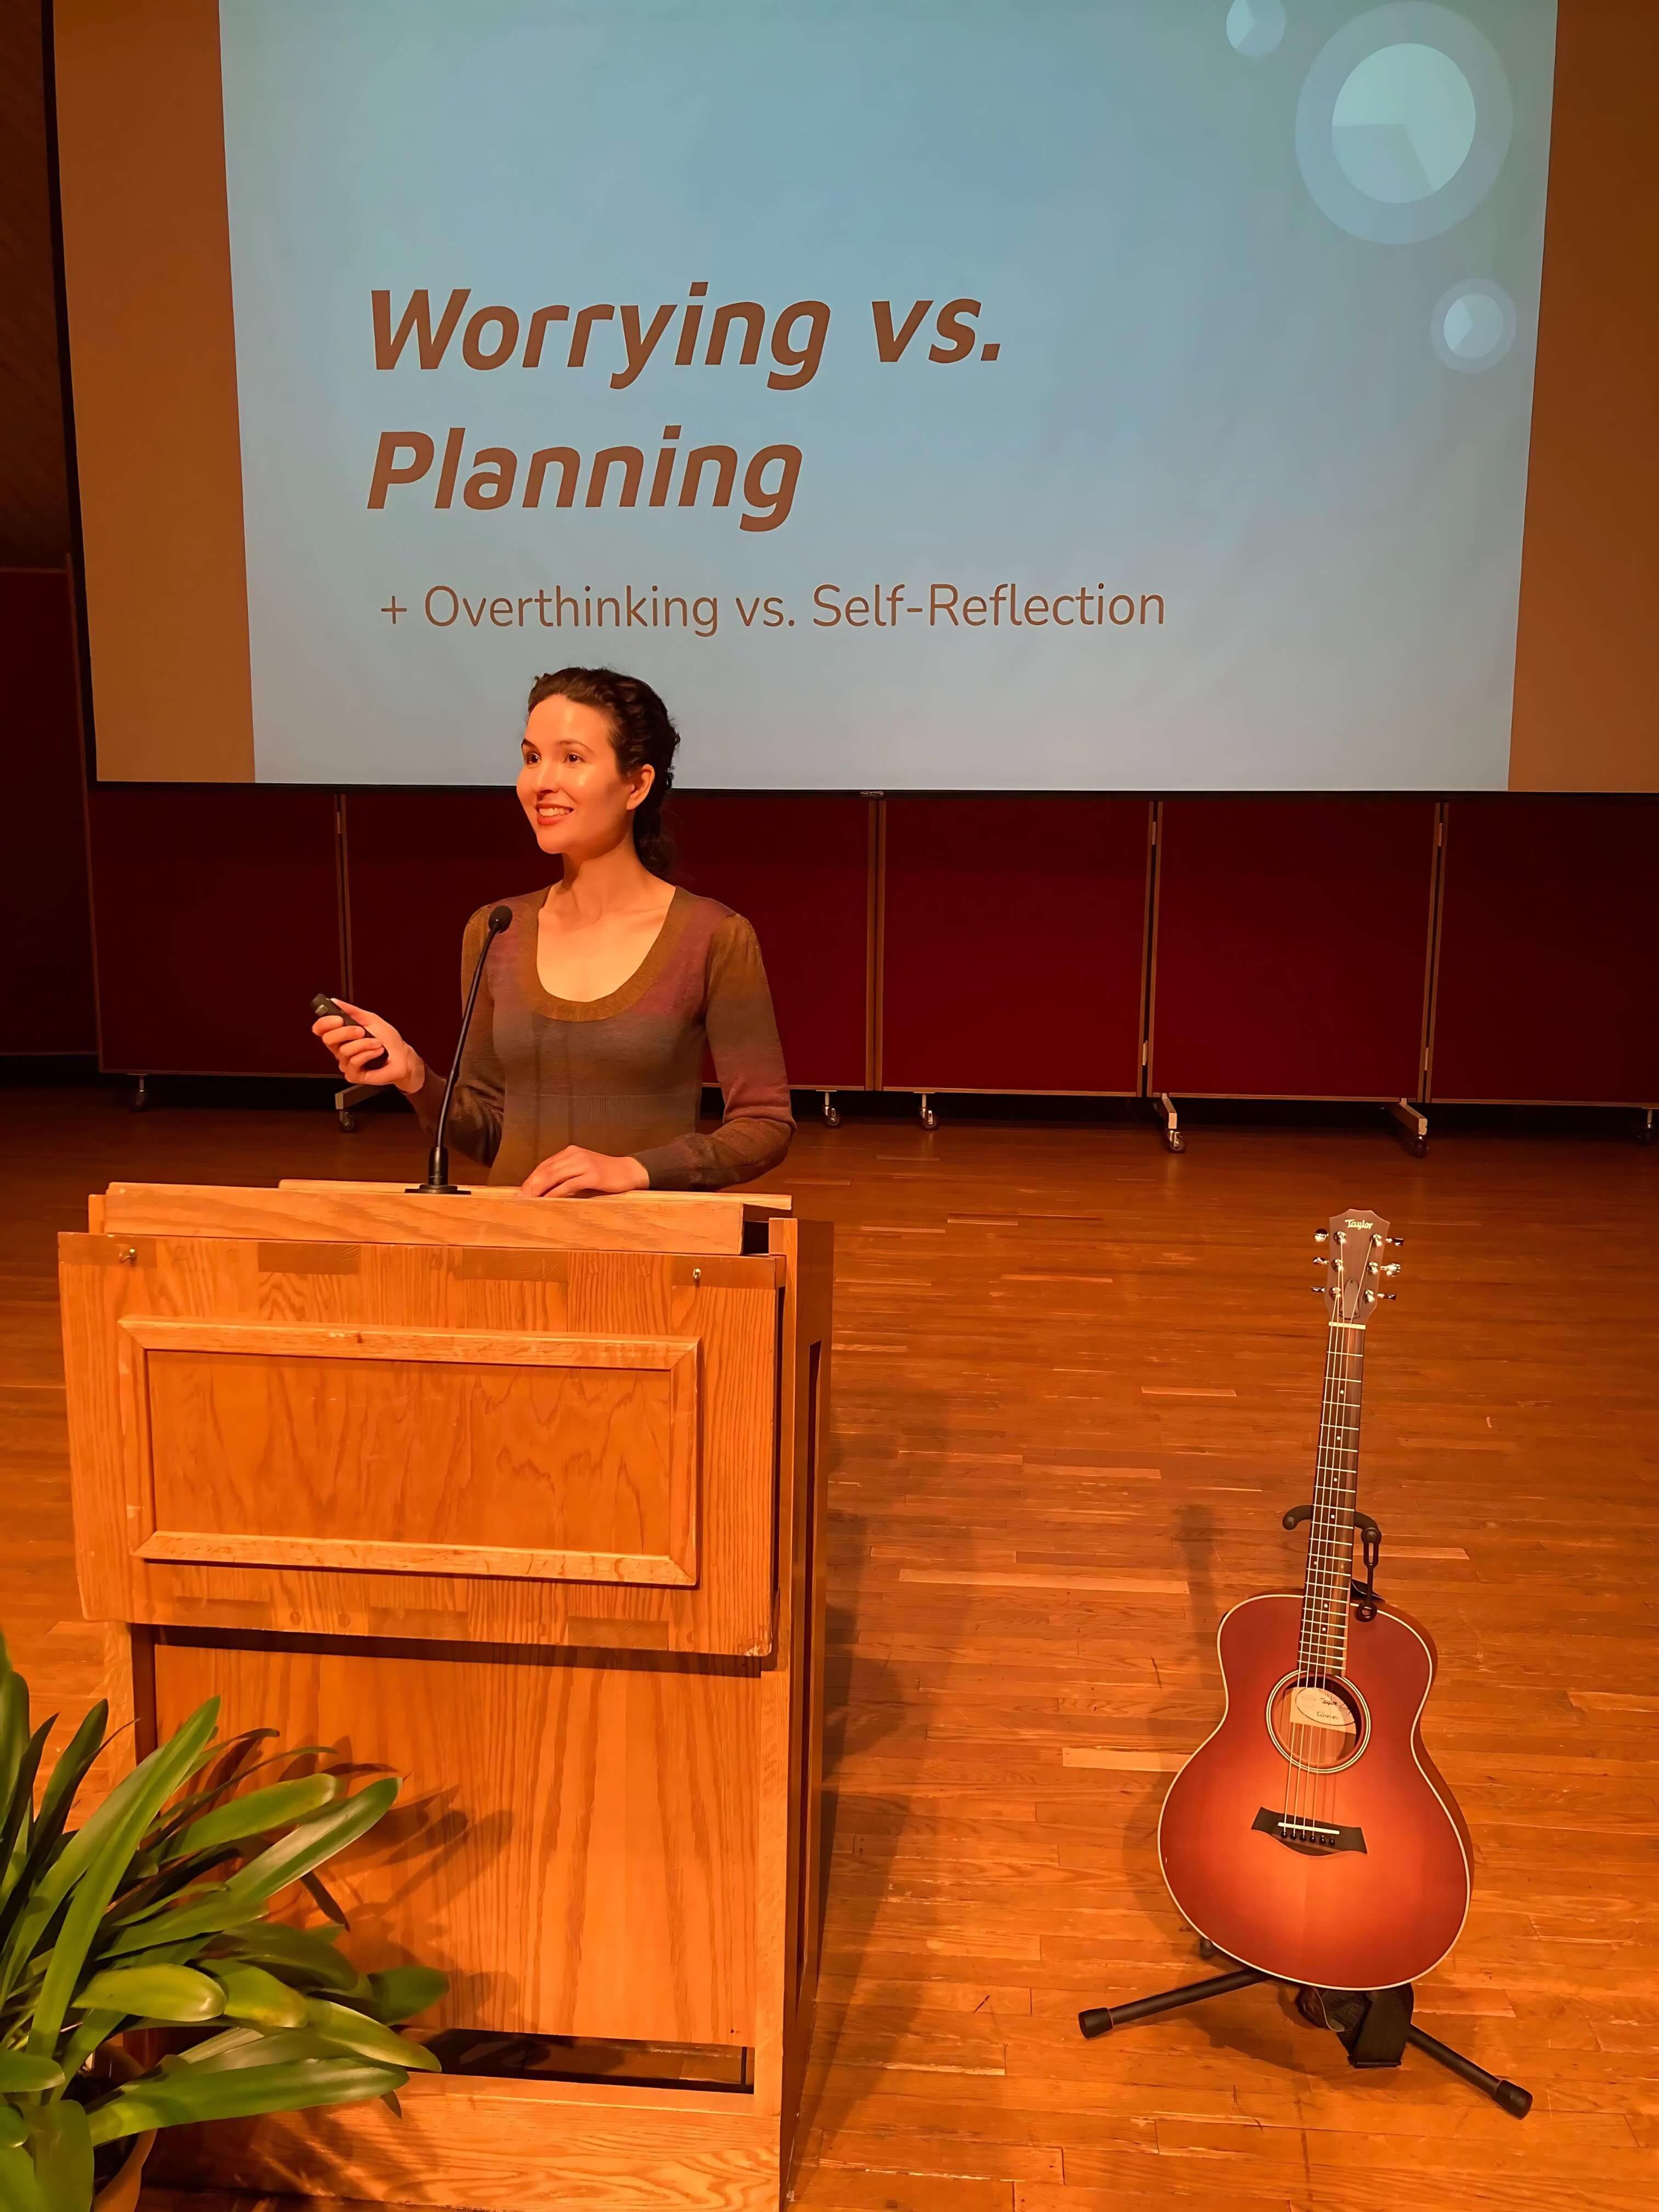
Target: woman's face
[576, 797]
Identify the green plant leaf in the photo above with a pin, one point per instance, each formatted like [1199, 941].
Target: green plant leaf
[70, 1769]
[308, 1845]
[178, 1994]
[58, 1796]
[402, 1991]
[279, 1806]
[324, 1898]
[67, 1776]
[17, 1828]
[170, 2100]
[23, 2075]
[253, 1994]
[60, 2140]
[14, 1740]
[246, 2046]
[90, 1868]
[95, 2030]
[369, 2039]
[13, 2133]
[304, 1955]
[207, 1913]
[19, 2190]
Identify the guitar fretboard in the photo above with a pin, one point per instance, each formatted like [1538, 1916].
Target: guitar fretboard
[1324, 1638]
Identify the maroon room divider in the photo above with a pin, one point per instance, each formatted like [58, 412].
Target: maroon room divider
[217, 915]
[1291, 949]
[798, 865]
[1548, 989]
[1013, 940]
[417, 863]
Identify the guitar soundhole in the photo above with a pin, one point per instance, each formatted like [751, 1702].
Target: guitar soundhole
[1317, 1722]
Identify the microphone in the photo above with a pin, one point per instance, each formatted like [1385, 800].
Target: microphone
[437, 1182]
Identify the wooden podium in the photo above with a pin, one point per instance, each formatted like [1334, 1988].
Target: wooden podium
[521, 1500]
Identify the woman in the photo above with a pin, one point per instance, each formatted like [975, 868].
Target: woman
[583, 1070]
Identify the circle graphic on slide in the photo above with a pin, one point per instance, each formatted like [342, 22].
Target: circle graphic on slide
[1472, 326]
[1404, 123]
[1255, 28]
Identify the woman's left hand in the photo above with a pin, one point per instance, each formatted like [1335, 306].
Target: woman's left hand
[578, 1173]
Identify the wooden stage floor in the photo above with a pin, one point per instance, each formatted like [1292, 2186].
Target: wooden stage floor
[1077, 1384]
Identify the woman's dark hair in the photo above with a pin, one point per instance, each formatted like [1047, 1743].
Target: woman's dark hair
[642, 736]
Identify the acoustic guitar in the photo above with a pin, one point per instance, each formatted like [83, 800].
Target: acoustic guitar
[1310, 1837]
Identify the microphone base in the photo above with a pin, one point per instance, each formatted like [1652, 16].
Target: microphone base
[433, 1190]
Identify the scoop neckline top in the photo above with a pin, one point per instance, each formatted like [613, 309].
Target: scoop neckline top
[627, 992]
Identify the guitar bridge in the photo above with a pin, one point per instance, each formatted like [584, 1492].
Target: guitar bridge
[1303, 1833]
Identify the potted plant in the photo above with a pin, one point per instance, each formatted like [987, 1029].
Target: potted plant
[156, 1913]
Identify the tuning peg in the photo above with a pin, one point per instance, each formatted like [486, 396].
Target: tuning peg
[1320, 1236]
[1391, 1267]
[1370, 1297]
[1371, 1267]
[1396, 1240]
[1391, 1295]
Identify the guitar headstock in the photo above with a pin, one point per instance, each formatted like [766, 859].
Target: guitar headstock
[1354, 1250]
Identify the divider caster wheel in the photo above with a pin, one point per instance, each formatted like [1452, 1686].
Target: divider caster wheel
[348, 1122]
[140, 1104]
[929, 1119]
[831, 1113]
[1176, 1142]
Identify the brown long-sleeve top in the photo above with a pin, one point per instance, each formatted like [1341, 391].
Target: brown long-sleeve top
[622, 1074]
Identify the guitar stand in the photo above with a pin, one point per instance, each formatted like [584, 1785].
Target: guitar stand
[1374, 2026]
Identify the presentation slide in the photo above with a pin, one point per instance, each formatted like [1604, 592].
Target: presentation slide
[933, 394]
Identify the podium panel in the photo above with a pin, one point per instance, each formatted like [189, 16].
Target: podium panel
[546, 1447]
[643, 1877]
[521, 1501]
[262, 1444]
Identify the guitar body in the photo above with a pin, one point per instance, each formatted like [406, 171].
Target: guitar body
[1310, 1837]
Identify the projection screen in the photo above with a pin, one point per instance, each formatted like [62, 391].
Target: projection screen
[937, 394]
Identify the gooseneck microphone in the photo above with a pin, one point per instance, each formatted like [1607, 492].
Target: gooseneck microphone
[437, 1183]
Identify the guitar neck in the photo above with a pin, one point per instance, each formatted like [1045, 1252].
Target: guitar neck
[1324, 1642]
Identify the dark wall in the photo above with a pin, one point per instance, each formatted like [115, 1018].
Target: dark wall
[35, 507]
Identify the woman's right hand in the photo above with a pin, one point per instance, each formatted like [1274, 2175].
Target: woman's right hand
[364, 1037]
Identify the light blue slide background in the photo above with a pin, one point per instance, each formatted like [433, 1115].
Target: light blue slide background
[1207, 387]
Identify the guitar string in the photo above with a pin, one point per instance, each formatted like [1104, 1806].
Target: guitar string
[1322, 1641]
[1334, 1567]
[1321, 1539]
[1315, 1657]
[1338, 1542]
[1289, 1810]
[1332, 1616]
[1296, 1785]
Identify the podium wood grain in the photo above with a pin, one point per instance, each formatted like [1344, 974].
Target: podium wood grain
[538, 1528]
[636, 1221]
[276, 1466]
[574, 1840]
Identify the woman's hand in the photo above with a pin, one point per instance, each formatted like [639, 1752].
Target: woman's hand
[577, 1173]
[363, 1037]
